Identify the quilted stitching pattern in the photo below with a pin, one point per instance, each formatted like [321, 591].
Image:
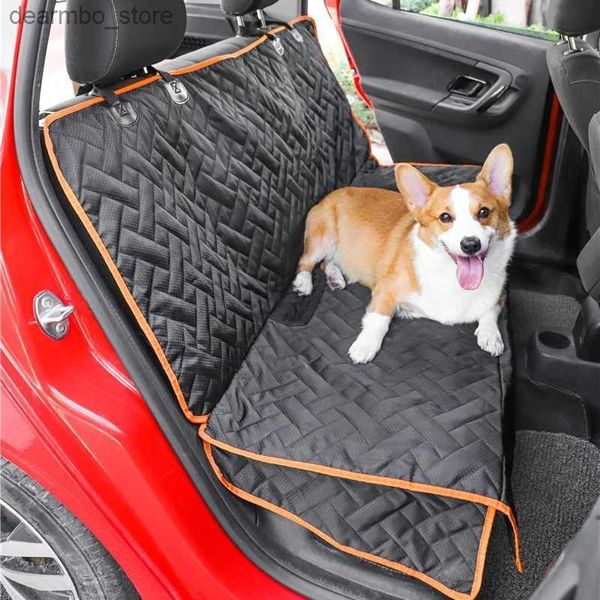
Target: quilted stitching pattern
[202, 205]
[427, 409]
[435, 536]
[383, 177]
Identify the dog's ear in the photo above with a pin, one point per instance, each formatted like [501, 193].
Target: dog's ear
[415, 188]
[497, 172]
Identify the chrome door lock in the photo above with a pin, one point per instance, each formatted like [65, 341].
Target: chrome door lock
[52, 315]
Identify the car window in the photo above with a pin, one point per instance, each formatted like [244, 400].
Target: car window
[336, 57]
[8, 35]
[517, 16]
[56, 85]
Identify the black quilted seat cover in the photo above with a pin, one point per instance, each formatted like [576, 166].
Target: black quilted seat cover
[428, 409]
[201, 206]
[383, 177]
[342, 446]
[198, 211]
[434, 538]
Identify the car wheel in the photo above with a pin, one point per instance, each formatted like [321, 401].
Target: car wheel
[46, 553]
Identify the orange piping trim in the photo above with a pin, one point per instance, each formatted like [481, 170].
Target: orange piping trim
[376, 480]
[135, 309]
[74, 201]
[96, 100]
[490, 516]
[423, 164]
[366, 134]
[434, 583]
[412, 486]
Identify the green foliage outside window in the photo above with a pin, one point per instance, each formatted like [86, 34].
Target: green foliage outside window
[426, 7]
[345, 77]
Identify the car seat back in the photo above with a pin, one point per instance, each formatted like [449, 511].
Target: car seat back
[573, 64]
[588, 262]
[194, 184]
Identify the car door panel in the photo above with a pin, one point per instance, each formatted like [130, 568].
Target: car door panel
[408, 63]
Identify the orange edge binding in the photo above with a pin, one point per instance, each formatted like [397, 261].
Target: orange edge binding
[135, 309]
[404, 484]
[434, 583]
[74, 201]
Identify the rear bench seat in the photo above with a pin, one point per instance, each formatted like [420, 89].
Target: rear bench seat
[194, 186]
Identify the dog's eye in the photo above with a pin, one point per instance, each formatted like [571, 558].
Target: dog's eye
[446, 217]
[484, 212]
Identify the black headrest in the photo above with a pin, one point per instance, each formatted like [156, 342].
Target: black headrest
[572, 17]
[109, 39]
[243, 7]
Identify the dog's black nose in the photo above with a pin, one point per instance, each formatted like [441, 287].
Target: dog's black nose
[470, 245]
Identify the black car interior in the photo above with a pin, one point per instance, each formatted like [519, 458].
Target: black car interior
[188, 175]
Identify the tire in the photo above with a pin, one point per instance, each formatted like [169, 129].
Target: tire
[38, 523]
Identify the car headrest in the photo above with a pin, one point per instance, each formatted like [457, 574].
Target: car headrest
[572, 17]
[110, 39]
[237, 8]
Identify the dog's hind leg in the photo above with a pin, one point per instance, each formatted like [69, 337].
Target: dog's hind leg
[335, 277]
[319, 243]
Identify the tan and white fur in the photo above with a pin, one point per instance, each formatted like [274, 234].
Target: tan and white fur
[425, 251]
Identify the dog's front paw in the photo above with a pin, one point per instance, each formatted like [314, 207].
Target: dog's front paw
[303, 285]
[490, 340]
[363, 350]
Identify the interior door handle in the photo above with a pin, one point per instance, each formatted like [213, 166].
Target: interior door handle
[461, 107]
[492, 97]
[466, 85]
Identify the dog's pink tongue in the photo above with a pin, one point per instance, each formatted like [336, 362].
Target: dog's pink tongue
[469, 271]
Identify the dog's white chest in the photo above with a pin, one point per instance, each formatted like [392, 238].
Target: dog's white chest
[440, 296]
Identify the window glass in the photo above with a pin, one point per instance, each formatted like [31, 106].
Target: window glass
[517, 16]
[8, 35]
[336, 56]
[56, 85]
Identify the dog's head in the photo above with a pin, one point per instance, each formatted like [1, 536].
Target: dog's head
[462, 220]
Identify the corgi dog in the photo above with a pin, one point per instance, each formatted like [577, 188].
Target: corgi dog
[424, 251]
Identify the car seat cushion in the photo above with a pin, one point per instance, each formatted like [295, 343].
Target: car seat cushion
[428, 404]
[421, 427]
[576, 79]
